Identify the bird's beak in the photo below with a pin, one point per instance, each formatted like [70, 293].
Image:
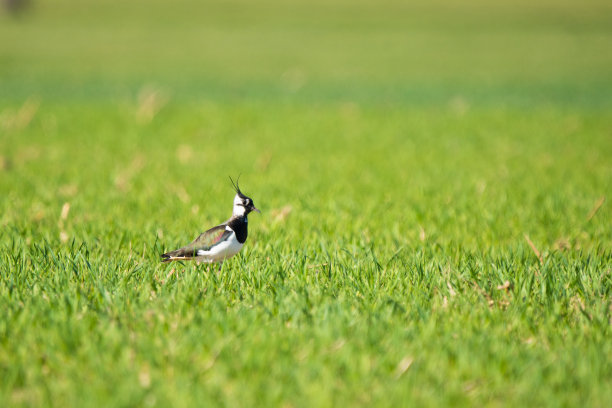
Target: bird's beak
[255, 209]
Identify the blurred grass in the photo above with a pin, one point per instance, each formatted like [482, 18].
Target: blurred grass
[404, 156]
[551, 51]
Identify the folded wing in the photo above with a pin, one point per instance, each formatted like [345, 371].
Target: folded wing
[204, 242]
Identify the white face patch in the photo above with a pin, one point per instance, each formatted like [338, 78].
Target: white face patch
[238, 209]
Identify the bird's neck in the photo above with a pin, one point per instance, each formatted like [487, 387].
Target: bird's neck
[242, 219]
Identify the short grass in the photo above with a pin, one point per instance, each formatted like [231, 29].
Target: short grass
[435, 185]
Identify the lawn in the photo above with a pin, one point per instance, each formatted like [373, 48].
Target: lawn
[434, 179]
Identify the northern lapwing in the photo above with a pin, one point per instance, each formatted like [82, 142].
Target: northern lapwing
[221, 242]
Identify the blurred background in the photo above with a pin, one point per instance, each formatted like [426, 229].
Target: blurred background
[513, 51]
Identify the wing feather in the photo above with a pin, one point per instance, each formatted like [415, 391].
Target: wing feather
[203, 242]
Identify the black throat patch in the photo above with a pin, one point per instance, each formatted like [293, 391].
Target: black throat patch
[240, 227]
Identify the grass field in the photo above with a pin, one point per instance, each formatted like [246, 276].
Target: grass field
[434, 179]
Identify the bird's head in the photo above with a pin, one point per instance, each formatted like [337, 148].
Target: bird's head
[243, 205]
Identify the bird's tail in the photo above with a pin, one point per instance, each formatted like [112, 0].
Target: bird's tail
[177, 255]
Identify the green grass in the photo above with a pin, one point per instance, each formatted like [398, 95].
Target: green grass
[404, 157]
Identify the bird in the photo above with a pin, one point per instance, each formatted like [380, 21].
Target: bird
[221, 242]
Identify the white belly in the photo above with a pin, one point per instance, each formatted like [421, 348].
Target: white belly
[220, 252]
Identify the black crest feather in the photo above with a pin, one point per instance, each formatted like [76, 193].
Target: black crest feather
[235, 185]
